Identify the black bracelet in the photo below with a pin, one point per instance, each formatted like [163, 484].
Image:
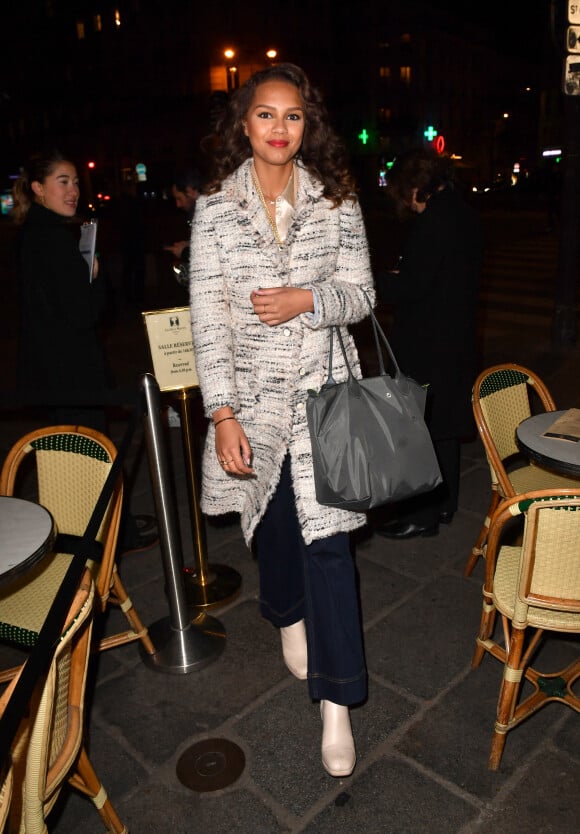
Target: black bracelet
[223, 420]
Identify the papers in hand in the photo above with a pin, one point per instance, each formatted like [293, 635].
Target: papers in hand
[566, 427]
[87, 244]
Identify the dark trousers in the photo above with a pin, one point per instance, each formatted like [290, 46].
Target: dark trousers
[317, 583]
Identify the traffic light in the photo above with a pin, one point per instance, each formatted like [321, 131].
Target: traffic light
[91, 164]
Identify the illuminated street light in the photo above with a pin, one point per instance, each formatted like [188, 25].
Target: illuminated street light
[233, 80]
[271, 54]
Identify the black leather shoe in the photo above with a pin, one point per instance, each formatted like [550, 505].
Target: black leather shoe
[405, 530]
[446, 517]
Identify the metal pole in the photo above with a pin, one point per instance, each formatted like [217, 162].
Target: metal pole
[182, 645]
[206, 585]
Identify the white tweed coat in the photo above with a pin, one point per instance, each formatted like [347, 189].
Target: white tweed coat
[264, 372]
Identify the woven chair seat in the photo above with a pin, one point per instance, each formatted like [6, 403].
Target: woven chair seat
[23, 607]
[531, 477]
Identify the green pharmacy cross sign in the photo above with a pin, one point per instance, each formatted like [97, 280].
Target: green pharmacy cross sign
[364, 136]
[430, 133]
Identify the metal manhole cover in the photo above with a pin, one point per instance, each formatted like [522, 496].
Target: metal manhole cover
[210, 765]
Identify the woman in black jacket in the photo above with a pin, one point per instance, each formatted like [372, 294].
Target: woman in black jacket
[61, 361]
[434, 298]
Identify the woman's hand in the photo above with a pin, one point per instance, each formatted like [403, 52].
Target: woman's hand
[233, 450]
[277, 305]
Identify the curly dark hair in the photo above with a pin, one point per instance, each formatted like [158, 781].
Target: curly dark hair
[420, 168]
[322, 152]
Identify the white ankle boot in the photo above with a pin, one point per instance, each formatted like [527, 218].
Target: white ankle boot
[294, 649]
[338, 753]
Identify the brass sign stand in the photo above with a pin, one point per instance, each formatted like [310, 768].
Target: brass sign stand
[170, 343]
[206, 585]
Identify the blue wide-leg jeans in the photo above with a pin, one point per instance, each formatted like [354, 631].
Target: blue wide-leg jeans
[317, 583]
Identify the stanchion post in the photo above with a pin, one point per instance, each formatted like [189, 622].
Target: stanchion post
[182, 644]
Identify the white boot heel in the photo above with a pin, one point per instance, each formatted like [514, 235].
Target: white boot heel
[294, 649]
[338, 753]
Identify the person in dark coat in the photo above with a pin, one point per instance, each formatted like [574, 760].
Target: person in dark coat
[61, 364]
[433, 293]
[61, 361]
[185, 190]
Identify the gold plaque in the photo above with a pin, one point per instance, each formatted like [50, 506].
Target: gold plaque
[171, 346]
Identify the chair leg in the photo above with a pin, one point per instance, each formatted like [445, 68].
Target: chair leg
[86, 780]
[119, 596]
[477, 550]
[486, 626]
[510, 687]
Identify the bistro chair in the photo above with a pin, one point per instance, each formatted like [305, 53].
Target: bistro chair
[71, 464]
[502, 398]
[49, 746]
[535, 587]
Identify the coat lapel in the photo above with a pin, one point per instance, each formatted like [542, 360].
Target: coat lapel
[252, 214]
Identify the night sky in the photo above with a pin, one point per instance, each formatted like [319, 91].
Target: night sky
[519, 26]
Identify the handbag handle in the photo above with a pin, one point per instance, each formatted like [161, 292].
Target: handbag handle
[377, 332]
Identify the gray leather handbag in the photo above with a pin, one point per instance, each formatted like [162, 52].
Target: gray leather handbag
[370, 443]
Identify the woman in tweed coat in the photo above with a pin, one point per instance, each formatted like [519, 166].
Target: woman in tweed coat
[278, 255]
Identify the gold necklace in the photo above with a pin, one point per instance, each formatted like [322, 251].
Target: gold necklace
[267, 210]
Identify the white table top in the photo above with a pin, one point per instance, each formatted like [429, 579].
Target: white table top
[27, 531]
[561, 455]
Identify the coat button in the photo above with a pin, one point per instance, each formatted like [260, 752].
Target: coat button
[300, 406]
[302, 371]
[286, 331]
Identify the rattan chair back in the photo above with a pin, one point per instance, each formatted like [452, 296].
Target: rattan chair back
[49, 747]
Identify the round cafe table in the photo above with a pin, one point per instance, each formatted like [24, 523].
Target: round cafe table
[27, 533]
[562, 456]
